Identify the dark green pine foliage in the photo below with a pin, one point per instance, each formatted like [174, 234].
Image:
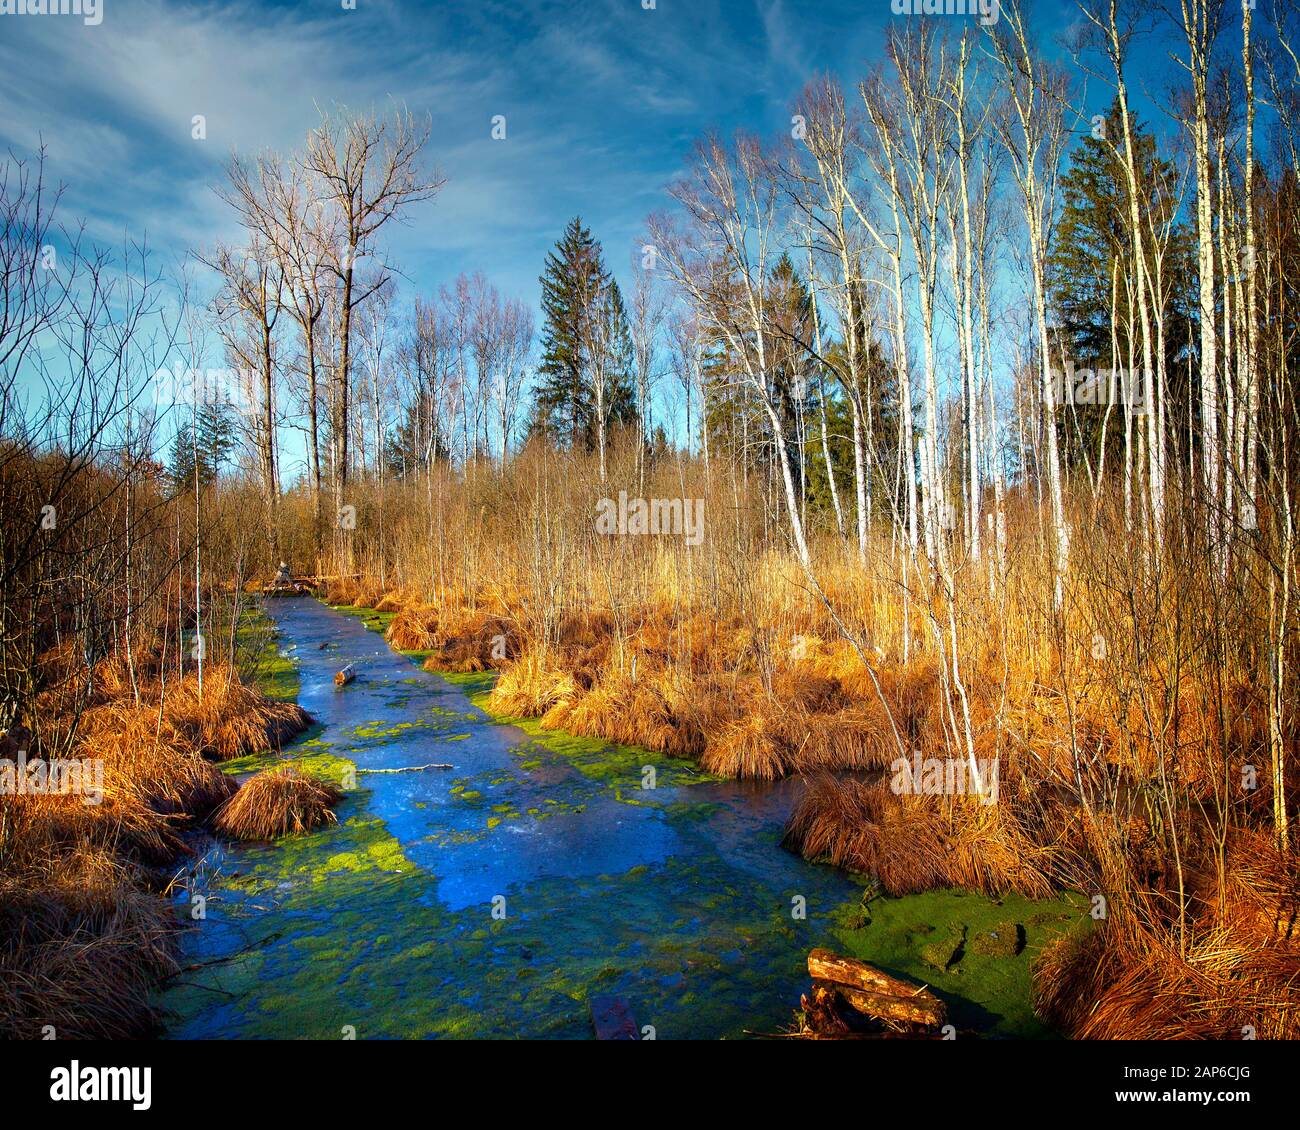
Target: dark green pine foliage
[214, 426]
[736, 417]
[620, 387]
[790, 361]
[578, 292]
[882, 425]
[408, 450]
[880, 401]
[1091, 237]
[791, 365]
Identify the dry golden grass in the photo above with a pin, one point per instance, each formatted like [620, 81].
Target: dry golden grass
[84, 946]
[530, 688]
[460, 639]
[277, 802]
[228, 719]
[84, 941]
[83, 938]
[413, 629]
[1232, 969]
[231, 719]
[915, 843]
[752, 747]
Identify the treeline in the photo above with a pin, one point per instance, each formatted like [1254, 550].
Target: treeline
[952, 280]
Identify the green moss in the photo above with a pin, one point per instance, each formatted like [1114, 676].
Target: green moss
[380, 730]
[368, 848]
[944, 947]
[935, 938]
[343, 928]
[372, 619]
[474, 684]
[1003, 939]
[310, 756]
[263, 658]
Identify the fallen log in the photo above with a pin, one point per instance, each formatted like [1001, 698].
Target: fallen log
[875, 992]
[926, 1010]
[344, 677]
[823, 965]
[411, 768]
[824, 1011]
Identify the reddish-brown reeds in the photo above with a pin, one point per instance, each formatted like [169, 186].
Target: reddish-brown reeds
[277, 802]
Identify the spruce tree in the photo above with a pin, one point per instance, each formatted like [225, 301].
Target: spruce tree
[582, 309]
[1091, 238]
[620, 391]
[215, 431]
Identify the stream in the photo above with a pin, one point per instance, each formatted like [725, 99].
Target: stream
[496, 898]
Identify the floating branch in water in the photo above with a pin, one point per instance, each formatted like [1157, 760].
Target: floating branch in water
[344, 677]
[410, 768]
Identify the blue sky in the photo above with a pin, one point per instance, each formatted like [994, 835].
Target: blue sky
[602, 99]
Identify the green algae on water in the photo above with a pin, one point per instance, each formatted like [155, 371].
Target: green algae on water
[974, 951]
[274, 671]
[343, 930]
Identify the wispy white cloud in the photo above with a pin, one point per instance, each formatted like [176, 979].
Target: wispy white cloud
[602, 100]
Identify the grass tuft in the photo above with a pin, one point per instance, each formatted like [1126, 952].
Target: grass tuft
[277, 802]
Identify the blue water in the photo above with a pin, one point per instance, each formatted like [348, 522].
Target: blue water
[495, 898]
